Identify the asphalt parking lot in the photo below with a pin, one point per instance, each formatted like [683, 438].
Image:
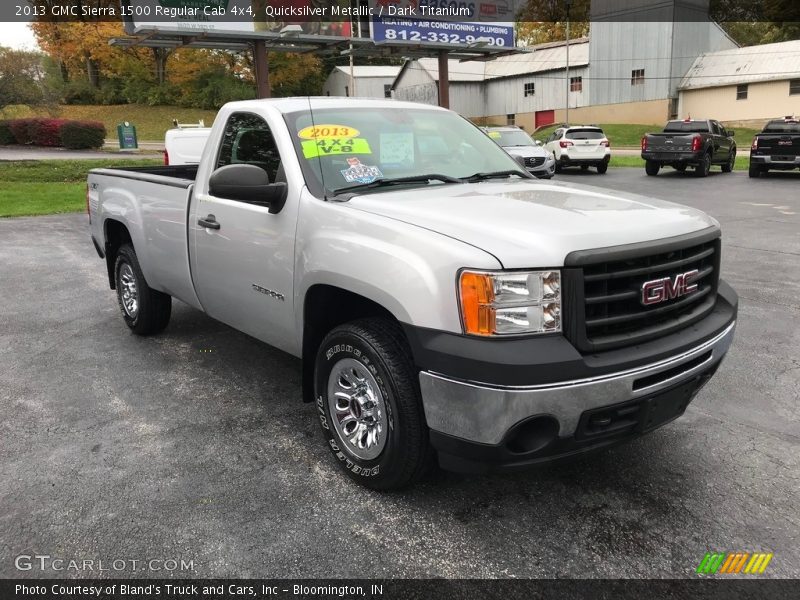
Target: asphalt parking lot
[194, 444]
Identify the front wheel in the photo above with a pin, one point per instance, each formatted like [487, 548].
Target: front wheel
[145, 310]
[728, 166]
[651, 167]
[369, 404]
[602, 167]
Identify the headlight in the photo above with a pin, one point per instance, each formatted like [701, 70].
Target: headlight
[510, 302]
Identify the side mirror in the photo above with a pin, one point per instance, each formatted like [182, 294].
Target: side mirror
[538, 142]
[731, 133]
[247, 183]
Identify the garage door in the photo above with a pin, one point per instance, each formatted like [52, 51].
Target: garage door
[545, 117]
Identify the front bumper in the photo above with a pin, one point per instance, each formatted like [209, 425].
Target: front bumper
[480, 426]
[545, 170]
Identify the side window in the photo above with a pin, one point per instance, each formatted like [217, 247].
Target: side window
[248, 140]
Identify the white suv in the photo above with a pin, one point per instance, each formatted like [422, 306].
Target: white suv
[580, 145]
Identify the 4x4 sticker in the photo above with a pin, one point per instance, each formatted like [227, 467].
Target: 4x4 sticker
[359, 173]
[319, 132]
[331, 146]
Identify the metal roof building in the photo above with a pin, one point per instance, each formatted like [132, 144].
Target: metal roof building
[746, 85]
[370, 81]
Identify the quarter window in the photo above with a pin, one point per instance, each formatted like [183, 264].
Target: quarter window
[741, 92]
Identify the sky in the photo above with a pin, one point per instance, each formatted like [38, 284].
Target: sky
[17, 35]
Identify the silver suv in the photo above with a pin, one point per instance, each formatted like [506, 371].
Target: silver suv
[538, 161]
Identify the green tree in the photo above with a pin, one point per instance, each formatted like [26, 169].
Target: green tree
[21, 77]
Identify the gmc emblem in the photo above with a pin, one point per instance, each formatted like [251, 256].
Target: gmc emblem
[668, 288]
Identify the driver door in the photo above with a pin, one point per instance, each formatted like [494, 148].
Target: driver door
[243, 256]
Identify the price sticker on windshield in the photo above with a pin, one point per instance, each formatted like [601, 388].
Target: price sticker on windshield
[327, 131]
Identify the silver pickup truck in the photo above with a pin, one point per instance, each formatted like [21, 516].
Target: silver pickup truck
[445, 304]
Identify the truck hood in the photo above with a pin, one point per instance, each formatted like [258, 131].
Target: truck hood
[528, 224]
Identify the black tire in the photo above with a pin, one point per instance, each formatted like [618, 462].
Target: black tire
[754, 171]
[680, 167]
[704, 166]
[379, 347]
[558, 168]
[153, 308]
[602, 168]
[651, 167]
[728, 166]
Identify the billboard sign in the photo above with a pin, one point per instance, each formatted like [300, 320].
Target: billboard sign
[461, 23]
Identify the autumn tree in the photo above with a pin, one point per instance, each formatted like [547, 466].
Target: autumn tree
[21, 75]
[542, 21]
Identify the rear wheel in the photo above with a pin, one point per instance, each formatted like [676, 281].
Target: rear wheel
[704, 166]
[145, 310]
[368, 401]
[754, 171]
[651, 167]
[602, 167]
[728, 166]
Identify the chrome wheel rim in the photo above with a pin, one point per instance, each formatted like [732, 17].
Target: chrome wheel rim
[357, 408]
[128, 292]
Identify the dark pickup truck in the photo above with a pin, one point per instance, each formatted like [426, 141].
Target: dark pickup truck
[699, 143]
[777, 147]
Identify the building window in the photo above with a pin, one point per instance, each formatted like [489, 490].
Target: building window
[529, 89]
[511, 119]
[794, 87]
[576, 84]
[387, 90]
[741, 92]
[637, 77]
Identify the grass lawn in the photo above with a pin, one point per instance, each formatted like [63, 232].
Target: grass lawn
[151, 121]
[631, 135]
[49, 187]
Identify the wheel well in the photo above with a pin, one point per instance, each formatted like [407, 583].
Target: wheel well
[326, 307]
[116, 235]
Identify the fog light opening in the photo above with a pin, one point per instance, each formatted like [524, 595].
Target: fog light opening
[532, 435]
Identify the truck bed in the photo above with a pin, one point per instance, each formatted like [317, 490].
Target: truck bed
[175, 175]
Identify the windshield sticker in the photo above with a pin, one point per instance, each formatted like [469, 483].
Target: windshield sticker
[331, 146]
[397, 149]
[320, 132]
[360, 173]
[495, 135]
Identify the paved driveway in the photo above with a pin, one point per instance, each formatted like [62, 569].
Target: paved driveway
[194, 445]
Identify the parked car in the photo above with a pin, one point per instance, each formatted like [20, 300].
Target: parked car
[698, 143]
[443, 303]
[537, 160]
[776, 147]
[580, 145]
[183, 145]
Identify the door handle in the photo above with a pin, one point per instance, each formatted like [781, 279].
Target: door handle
[210, 222]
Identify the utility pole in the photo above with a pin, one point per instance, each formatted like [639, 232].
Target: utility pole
[566, 117]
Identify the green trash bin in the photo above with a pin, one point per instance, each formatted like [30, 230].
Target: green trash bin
[127, 136]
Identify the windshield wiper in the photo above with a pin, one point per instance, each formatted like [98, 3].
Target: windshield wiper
[388, 181]
[496, 175]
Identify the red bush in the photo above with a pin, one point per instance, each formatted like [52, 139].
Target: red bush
[46, 132]
[40, 131]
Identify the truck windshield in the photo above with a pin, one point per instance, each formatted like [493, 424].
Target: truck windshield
[344, 147]
[511, 138]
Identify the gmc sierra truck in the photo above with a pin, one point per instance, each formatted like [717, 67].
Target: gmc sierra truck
[445, 304]
[696, 143]
[777, 147]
